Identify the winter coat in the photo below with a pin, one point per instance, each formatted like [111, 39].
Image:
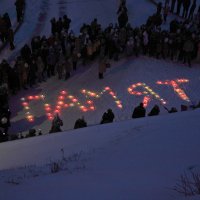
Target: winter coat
[102, 66]
[51, 58]
[23, 71]
[188, 46]
[155, 111]
[68, 66]
[80, 123]
[145, 38]
[138, 112]
[40, 66]
[10, 35]
[108, 117]
[56, 124]
[129, 47]
[89, 49]
[7, 20]
[198, 53]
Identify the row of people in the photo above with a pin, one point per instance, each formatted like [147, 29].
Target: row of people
[108, 117]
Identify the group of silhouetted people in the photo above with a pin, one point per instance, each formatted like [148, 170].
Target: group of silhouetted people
[6, 29]
[108, 116]
[187, 6]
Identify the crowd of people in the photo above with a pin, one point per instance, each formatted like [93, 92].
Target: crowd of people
[60, 53]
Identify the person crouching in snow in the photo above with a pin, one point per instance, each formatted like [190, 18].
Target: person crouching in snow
[139, 111]
[154, 111]
[56, 124]
[80, 123]
[108, 117]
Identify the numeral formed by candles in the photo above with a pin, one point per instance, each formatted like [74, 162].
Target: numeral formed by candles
[66, 100]
[60, 104]
[105, 90]
[148, 93]
[177, 89]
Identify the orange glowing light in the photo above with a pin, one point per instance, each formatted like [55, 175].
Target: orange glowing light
[63, 92]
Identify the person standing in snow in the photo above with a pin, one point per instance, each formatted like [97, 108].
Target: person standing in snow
[67, 65]
[130, 46]
[159, 8]
[186, 5]
[188, 48]
[66, 23]
[11, 38]
[6, 18]
[165, 12]
[178, 8]
[20, 6]
[40, 69]
[5, 120]
[51, 62]
[172, 5]
[102, 67]
[145, 42]
[122, 15]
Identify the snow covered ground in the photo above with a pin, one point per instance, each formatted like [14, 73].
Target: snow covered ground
[129, 159]
[135, 159]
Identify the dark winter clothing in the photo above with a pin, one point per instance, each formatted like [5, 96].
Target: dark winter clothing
[172, 5]
[178, 8]
[108, 117]
[56, 124]
[188, 48]
[186, 5]
[20, 5]
[80, 123]
[139, 111]
[5, 119]
[155, 111]
[192, 10]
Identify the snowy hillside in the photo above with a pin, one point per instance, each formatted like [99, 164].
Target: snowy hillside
[135, 159]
